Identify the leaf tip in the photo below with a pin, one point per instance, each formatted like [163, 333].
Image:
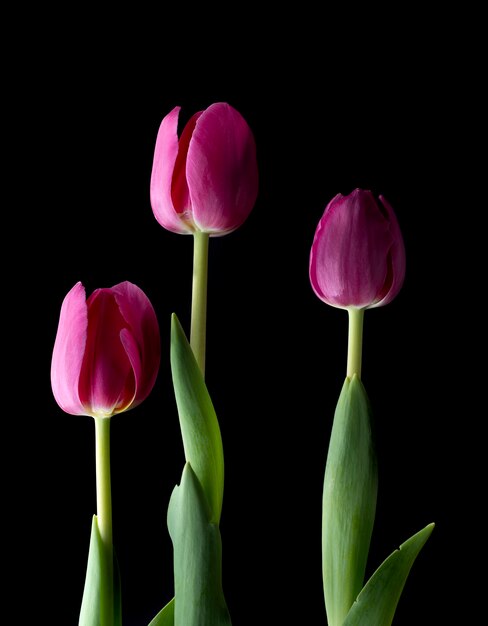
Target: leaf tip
[176, 327]
[422, 535]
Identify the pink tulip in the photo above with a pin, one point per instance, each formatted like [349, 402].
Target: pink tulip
[207, 180]
[107, 351]
[358, 257]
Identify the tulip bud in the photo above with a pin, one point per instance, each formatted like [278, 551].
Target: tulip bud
[358, 256]
[107, 351]
[207, 180]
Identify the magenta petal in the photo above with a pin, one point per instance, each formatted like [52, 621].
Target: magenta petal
[132, 350]
[69, 348]
[180, 193]
[142, 324]
[366, 267]
[348, 252]
[107, 383]
[221, 170]
[397, 255]
[316, 255]
[165, 154]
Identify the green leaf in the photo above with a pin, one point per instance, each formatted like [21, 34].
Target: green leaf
[90, 605]
[166, 616]
[377, 602]
[199, 426]
[349, 501]
[95, 572]
[199, 599]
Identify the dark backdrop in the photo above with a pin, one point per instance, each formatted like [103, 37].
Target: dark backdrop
[334, 105]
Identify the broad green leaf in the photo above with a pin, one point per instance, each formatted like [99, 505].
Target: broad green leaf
[199, 599]
[166, 616]
[199, 426]
[349, 501]
[377, 602]
[95, 572]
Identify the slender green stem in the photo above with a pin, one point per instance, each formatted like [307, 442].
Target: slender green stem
[199, 298]
[104, 517]
[355, 342]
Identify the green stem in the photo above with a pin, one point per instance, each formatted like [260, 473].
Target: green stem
[199, 298]
[104, 517]
[355, 342]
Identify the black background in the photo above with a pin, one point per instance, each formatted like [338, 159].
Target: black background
[387, 103]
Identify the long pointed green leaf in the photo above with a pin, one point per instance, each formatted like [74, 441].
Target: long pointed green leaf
[199, 599]
[90, 605]
[166, 616]
[349, 501]
[377, 602]
[95, 571]
[199, 426]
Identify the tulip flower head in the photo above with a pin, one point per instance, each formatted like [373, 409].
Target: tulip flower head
[207, 179]
[107, 351]
[358, 256]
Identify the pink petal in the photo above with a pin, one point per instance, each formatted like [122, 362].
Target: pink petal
[142, 324]
[165, 155]
[132, 350]
[349, 252]
[316, 254]
[69, 348]
[221, 170]
[107, 383]
[397, 256]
